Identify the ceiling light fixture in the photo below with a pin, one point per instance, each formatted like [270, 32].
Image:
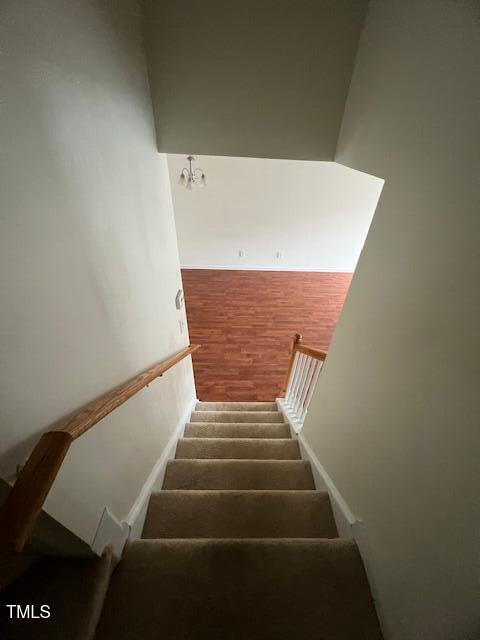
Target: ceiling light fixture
[192, 178]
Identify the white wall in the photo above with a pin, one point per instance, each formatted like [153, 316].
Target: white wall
[316, 213]
[395, 416]
[88, 260]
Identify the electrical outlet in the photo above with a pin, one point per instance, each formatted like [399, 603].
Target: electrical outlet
[241, 253]
[279, 255]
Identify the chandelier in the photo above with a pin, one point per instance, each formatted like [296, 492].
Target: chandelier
[192, 178]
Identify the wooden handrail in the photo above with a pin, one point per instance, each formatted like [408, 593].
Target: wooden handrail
[313, 353]
[84, 418]
[298, 347]
[24, 503]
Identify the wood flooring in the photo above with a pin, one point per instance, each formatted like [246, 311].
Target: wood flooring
[245, 322]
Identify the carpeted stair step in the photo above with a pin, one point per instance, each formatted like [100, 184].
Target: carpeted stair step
[236, 430]
[74, 589]
[239, 514]
[238, 448]
[236, 416]
[238, 474]
[240, 590]
[236, 406]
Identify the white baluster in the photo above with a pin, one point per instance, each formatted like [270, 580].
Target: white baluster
[313, 383]
[301, 385]
[296, 382]
[291, 381]
[306, 386]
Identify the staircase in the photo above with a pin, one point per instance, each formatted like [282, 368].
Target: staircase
[238, 545]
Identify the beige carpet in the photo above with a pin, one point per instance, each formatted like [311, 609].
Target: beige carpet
[236, 430]
[236, 416]
[238, 545]
[280, 589]
[238, 448]
[239, 514]
[238, 474]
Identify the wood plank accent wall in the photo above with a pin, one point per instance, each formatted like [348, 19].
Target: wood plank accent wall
[246, 320]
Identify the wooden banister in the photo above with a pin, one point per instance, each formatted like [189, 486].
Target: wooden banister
[84, 418]
[302, 374]
[298, 347]
[24, 503]
[313, 353]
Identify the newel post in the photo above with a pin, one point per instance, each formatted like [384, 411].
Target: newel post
[296, 341]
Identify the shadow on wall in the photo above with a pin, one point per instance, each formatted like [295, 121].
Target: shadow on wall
[87, 235]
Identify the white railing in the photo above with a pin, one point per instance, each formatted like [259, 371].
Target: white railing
[303, 371]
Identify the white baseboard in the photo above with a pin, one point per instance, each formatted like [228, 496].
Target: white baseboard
[295, 426]
[136, 515]
[241, 267]
[345, 519]
[110, 530]
[347, 523]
